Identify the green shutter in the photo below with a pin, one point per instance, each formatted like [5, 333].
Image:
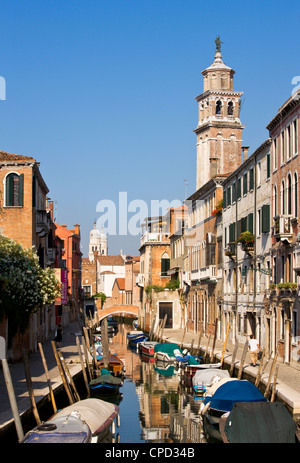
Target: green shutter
[265, 218]
[165, 266]
[21, 189]
[268, 166]
[250, 222]
[232, 233]
[251, 179]
[245, 183]
[239, 228]
[243, 224]
[233, 192]
[228, 196]
[224, 199]
[9, 192]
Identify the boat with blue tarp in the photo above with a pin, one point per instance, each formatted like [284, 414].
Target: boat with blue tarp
[106, 383]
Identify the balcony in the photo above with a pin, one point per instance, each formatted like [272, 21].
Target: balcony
[230, 251]
[140, 279]
[209, 273]
[283, 227]
[153, 237]
[41, 221]
[51, 253]
[297, 260]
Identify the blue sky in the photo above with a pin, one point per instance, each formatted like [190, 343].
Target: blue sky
[102, 93]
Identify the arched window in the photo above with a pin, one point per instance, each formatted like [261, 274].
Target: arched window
[230, 108]
[218, 107]
[295, 195]
[14, 189]
[275, 202]
[282, 198]
[165, 264]
[289, 194]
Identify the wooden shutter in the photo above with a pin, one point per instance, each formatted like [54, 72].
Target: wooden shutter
[9, 191]
[265, 218]
[233, 192]
[245, 183]
[224, 199]
[239, 188]
[250, 222]
[251, 179]
[268, 166]
[228, 196]
[21, 189]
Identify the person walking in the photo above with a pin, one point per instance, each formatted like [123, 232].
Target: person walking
[58, 335]
[254, 349]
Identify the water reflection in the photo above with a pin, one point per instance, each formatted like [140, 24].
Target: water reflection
[156, 405]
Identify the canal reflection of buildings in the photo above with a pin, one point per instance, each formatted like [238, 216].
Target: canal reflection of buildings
[167, 413]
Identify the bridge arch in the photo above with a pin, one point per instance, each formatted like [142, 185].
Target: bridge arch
[118, 309]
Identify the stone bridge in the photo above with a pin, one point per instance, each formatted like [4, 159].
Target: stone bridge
[117, 310]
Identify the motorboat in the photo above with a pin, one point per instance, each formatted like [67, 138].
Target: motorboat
[146, 348]
[221, 397]
[106, 383]
[206, 377]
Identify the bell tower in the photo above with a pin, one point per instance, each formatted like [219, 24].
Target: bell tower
[219, 130]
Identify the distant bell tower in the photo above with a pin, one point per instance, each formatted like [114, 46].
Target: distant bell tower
[98, 243]
[219, 130]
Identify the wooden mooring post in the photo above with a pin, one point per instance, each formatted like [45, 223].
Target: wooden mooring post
[82, 366]
[243, 359]
[163, 327]
[184, 332]
[10, 390]
[62, 374]
[29, 387]
[270, 375]
[48, 378]
[225, 342]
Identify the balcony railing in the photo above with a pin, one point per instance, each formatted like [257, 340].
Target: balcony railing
[283, 227]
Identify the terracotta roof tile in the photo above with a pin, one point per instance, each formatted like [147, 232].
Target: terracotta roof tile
[4, 156]
[110, 260]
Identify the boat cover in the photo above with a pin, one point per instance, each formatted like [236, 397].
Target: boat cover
[209, 376]
[107, 379]
[260, 422]
[168, 348]
[234, 391]
[97, 413]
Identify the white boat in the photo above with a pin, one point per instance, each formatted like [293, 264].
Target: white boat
[205, 378]
[78, 422]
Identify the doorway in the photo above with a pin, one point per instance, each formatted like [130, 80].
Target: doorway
[166, 308]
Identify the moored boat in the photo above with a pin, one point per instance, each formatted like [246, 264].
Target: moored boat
[116, 366]
[204, 378]
[134, 337]
[221, 397]
[78, 422]
[171, 352]
[146, 348]
[106, 383]
[191, 369]
[259, 423]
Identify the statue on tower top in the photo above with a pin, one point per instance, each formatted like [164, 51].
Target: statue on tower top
[218, 43]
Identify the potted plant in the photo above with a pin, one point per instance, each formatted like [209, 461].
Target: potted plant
[219, 209]
[247, 241]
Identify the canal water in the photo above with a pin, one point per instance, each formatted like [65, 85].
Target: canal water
[155, 405]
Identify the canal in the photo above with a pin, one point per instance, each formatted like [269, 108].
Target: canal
[155, 405]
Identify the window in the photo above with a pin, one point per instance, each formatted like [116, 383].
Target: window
[282, 148]
[234, 192]
[258, 222]
[218, 107]
[282, 198]
[230, 108]
[165, 264]
[239, 188]
[275, 154]
[268, 166]
[245, 183]
[295, 133]
[289, 194]
[258, 167]
[295, 195]
[251, 179]
[289, 142]
[228, 196]
[265, 226]
[275, 201]
[14, 190]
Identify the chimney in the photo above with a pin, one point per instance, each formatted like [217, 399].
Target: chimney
[245, 152]
[77, 229]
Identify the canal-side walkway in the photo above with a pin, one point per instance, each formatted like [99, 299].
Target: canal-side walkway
[288, 380]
